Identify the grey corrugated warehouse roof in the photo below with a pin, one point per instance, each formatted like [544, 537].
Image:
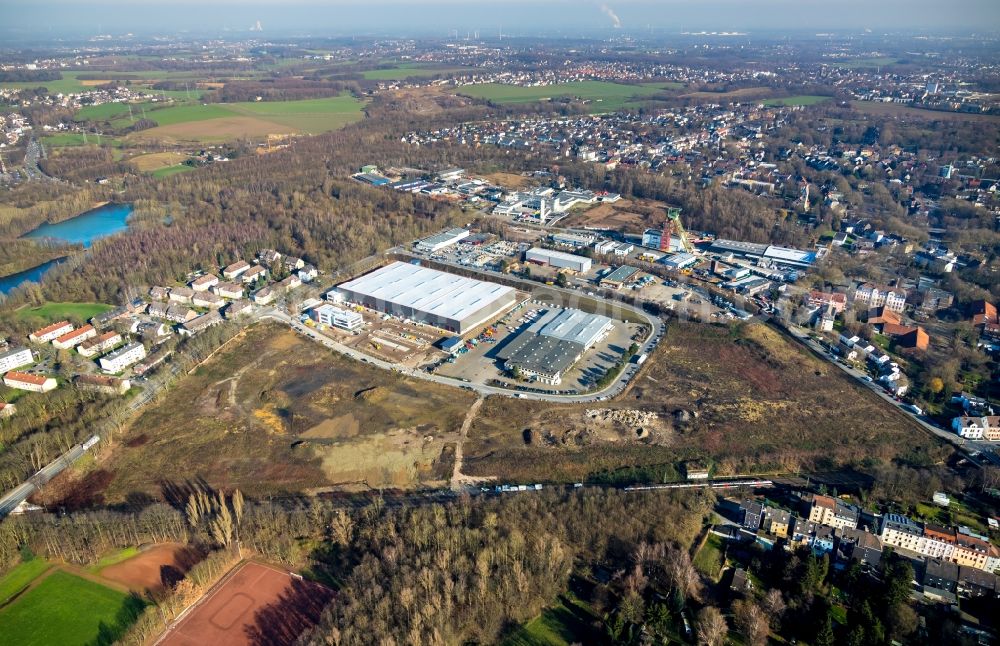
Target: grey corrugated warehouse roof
[571, 325]
[429, 290]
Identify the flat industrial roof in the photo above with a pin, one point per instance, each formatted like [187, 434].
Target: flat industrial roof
[551, 253]
[541, 354]
[571, 325]
[450, 235]
[621, 274]
[428, 290]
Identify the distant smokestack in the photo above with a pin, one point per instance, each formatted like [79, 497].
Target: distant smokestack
[615, 20]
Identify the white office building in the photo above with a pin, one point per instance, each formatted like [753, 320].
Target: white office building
[334, 316]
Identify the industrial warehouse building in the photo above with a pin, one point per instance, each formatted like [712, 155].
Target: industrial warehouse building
[553, 343]
[441, 240]
[779, 255]
[557, 259]
[437, 298]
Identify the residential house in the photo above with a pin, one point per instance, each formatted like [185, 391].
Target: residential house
[180, 314]
[229, 290]
[7, 410]
[153, 332]
[986, 427]
[50, 332]
[833, 512]
[103, 343]
[939, 542]
[907, 336]
[181, 294]
[102, 384]
[939, 575]
[268, 256]
[106, 318]
[237, 308]
[740, 583]
[263, 296]
[976, 583]
[291, 263]
[874, 296]
[255, 273]
[882, 315]
[308, 274]
[899, 531]
[836, 301]
[15, 358]
[752, 514]
[159, 293]
[200, 323]
[74, 338]
[208, 299]
[157, 310]
[971, 549]
[203, 283]
[123, 357]
[861, 546]
[233, 271]
[27, 381]
[982, 312]
[777, 521]
[289, 283]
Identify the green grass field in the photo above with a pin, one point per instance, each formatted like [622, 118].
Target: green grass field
[604, 96]
[64, 139]
[65, 609]
[219, 121]
[804, 99]
[708, 560]
[567, 622]
[66, 85]
[18, 578]
[160, 173]
[56, 311]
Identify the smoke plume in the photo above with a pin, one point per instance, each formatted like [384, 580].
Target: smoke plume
[615, 20]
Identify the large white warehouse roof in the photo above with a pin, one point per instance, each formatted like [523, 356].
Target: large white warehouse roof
[430, 291]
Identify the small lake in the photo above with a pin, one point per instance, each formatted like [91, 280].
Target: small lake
[86, 227]
[81, 229]
[34, 275]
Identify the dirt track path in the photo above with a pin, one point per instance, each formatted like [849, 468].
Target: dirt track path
[458, 481]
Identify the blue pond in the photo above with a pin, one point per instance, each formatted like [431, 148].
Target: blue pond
[34, 275]
[82, 229]
[87, 227]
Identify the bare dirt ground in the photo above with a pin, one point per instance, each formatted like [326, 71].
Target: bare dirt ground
[154, 161]
[632, 216]
[508, 180]
[254, 604]
[275, 412]
[154, 568]
[744, 398]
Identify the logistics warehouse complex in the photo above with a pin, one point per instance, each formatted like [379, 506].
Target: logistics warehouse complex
[437, 298]
[553, 343]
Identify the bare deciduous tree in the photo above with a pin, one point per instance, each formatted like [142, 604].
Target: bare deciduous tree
[711, 627]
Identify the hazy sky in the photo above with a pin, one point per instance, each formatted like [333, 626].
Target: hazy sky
[339, 17]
